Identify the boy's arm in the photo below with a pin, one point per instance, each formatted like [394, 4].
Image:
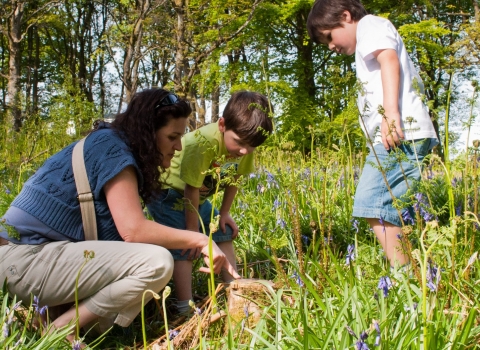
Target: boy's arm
[191, 202]
[225, 218]
[192, 199]
[391, 129]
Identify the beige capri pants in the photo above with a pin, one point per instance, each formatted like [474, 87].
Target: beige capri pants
[111, 284]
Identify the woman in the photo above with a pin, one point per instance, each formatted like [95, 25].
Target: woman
[123, 161]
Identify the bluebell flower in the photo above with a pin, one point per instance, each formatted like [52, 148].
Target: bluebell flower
[276, 203]
[458, 209]
[271, 180]
[5, 330]
[245, 311]
[297, 278]
[76, 345]
[36, 307]
[305, 239]
[355, 224]
[7, 191]
[172, 333]
[407, 218]
[379, 333]
[433, 277]
[361, 345]
[281, 223]
[382, 223]
[385, 284]
[350, 254]
[419, 207]
[413, 308]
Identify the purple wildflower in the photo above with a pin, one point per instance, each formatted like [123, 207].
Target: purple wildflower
[361, 345]
[305, 239]
[172, 333]
[5, 330]
[355, 224]
[245, 311]
[420, 205]
[281, 223]
[41, 311]
[458, 209]
[7, 191]
[413, 308]
[350, 254]
[276, 203]
[383, 224]
[385, 284]
[76, 345]
[298, 280]
[407, 218]
[379, 333]
[433, 277]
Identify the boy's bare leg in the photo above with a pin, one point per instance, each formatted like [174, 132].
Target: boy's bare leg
[182, 273]
[387, 235]
[229, 251]
[182, 279]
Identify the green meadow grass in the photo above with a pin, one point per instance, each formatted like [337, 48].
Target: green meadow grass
[296, 229]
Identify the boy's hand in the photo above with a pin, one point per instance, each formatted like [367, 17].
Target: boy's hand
[194, 253]
[219, 261]
[226, 219]
[391, 130]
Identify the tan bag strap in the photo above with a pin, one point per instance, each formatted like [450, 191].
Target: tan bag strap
[85, 195]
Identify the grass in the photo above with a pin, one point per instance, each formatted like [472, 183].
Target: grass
[295, 224]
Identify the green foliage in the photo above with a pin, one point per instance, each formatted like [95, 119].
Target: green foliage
[19, 331]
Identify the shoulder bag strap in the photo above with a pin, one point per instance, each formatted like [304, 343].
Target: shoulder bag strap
[85, 195]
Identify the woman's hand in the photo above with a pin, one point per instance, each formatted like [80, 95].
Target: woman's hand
[219, 261]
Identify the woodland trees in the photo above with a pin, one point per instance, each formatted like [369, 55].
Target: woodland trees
[102, 51]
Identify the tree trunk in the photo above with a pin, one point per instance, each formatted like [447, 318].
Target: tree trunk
[477, 10]
[14, 112]
[216, 103]
[133, 54]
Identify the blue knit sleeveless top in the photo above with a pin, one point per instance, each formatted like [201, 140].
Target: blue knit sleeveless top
[50, 195]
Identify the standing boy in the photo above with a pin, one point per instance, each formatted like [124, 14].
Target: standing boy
[226, 146]
[388, 79]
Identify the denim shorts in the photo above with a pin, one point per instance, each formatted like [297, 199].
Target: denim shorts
[372, 198]
[168, 210]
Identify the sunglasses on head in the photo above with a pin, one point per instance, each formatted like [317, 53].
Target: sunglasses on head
[168, 100]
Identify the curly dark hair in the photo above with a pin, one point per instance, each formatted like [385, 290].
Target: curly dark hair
[138, 125]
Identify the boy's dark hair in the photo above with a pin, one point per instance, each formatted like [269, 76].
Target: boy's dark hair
[328, 14]
[247, 115]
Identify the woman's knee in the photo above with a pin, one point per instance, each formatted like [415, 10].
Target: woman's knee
[161, 261]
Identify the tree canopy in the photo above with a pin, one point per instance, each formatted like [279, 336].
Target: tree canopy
[98, 53]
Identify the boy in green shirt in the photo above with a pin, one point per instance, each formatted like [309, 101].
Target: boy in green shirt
[228, 146]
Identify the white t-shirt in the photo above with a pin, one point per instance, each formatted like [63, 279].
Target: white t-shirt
[376, 33]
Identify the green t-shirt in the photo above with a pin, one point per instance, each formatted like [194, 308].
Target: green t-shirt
[203, 149]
